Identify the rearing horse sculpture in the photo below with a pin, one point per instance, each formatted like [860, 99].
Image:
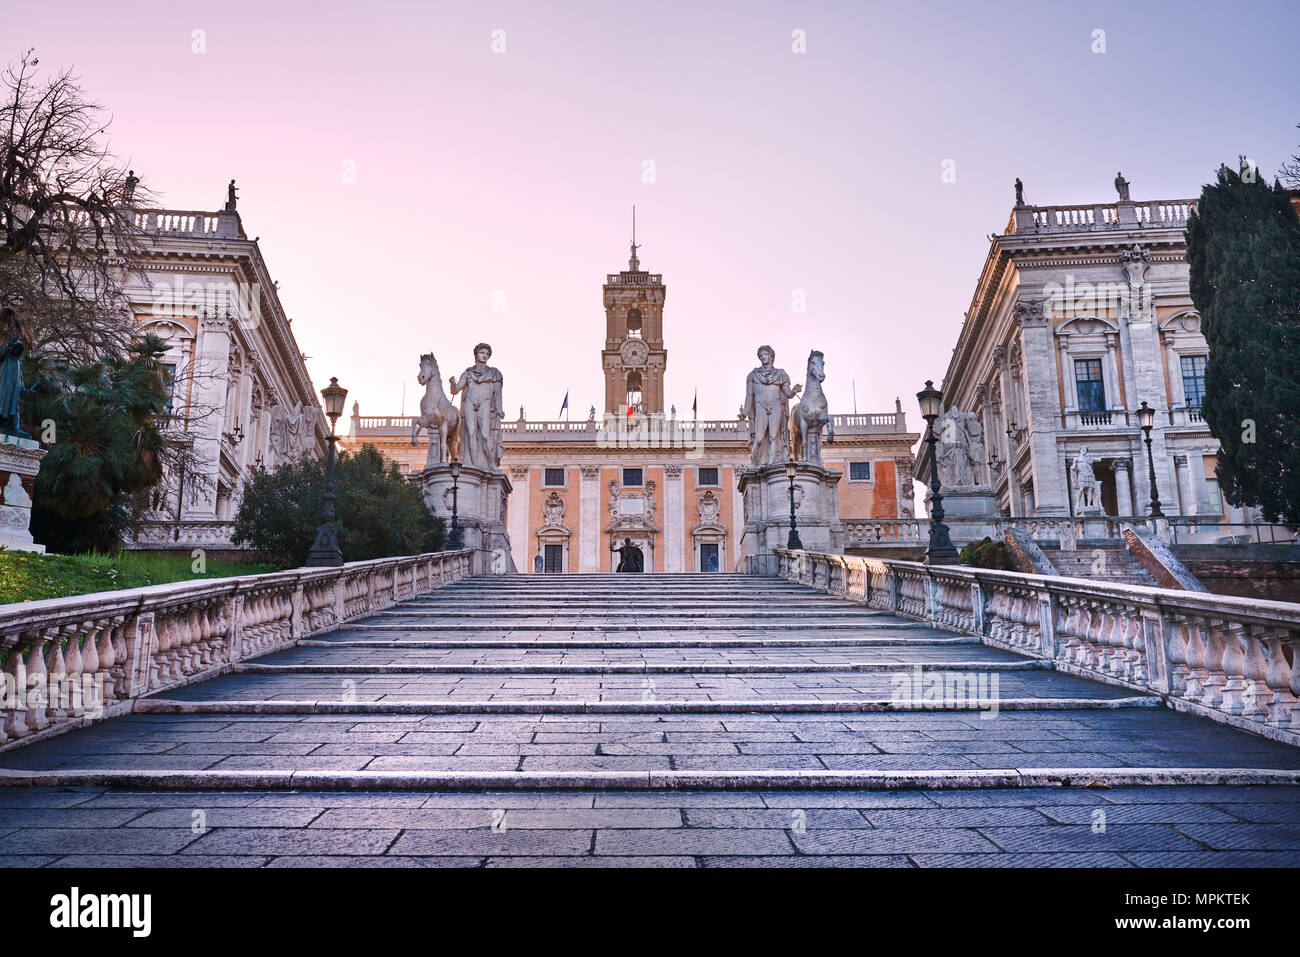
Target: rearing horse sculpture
[811, 414]
[437, 415]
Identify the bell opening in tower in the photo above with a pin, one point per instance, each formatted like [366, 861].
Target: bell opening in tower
[634, 391]
[634, 323]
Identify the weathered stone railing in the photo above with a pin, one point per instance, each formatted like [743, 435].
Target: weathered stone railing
[1232, 659]
[66, 659]
[183, 534]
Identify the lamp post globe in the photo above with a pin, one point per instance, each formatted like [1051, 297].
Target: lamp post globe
[941, 550]
[326, 551]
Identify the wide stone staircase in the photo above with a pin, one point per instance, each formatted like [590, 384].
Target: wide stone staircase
[1111, 563]
[645, 689]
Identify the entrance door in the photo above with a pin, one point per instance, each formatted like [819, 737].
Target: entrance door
[709, 557]
[554, 559]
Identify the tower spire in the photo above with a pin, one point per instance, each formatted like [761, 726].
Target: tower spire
[634, 264]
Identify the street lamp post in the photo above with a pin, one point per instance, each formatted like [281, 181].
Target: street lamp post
[793, 542]
[1146, 419]
[941, 551]
[454, 541]
[326, 551]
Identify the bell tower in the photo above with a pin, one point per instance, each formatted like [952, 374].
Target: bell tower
[634, 357]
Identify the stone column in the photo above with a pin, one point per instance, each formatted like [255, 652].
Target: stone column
[1202, 504]
[211, 358]
[521, 543]
[1040, 380]
[675, 520]
[1181, 485]
[1123, 486]
[589, 512]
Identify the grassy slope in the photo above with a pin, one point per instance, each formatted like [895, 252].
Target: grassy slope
[26, 576]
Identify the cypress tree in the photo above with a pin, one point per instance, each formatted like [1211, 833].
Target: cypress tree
[1243, 250]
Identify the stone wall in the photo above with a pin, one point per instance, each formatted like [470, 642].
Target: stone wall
[1270, 572]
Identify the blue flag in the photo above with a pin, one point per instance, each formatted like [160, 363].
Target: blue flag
[566, 403]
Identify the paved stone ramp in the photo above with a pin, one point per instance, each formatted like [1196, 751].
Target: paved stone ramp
[667, 719]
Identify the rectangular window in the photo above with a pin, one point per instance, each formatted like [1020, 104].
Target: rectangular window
[707, 476]
[632, 477]
[553, 477]
[554, 559]
[1193, 368]
[1092, 390]
[860, 471]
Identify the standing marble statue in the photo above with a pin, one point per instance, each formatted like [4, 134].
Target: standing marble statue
[960, 448]
[481, 411]
[767, 406]
[1087, 490]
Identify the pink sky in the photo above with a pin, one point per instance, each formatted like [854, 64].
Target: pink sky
[776, 171]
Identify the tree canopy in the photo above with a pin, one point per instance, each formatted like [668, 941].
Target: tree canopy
[1243, 250]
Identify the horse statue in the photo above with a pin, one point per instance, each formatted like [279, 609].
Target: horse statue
[811, 414]
[437, 415]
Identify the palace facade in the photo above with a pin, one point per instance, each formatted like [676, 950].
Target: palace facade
[241, 394]
[637, 471]
[1080, 314]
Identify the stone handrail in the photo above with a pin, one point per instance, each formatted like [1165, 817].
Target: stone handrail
[1231, 659]
[91, 654]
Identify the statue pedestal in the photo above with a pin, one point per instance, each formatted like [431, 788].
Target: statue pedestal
[480, 512]
[766, 497]
[967, 501]
[20, 460]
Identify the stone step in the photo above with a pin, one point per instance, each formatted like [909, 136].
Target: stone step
[325, 641]
[685, 668]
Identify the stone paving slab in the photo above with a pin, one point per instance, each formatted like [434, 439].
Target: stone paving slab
[639, 742]
[656, 828]
[349, 687]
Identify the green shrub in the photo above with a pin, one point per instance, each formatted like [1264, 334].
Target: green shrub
[380, 514]
[989, 554]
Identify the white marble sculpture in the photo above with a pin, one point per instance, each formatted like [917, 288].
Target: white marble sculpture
[960, 449]
[437, 415]
[767, 400]
[481, 411]
[811, 414]
[1087, 489]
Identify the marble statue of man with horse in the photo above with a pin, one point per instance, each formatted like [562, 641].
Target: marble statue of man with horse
[811, 414]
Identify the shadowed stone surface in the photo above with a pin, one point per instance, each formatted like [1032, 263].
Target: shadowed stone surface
[685, 640]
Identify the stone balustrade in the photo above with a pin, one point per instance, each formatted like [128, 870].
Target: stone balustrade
[1231, 659]
[187, 533]
[69, 659]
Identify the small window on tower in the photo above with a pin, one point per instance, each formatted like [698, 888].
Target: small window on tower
[553, 477]
[634, 323]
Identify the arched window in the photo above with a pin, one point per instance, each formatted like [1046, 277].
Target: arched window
[633, 389]
[634, 323]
